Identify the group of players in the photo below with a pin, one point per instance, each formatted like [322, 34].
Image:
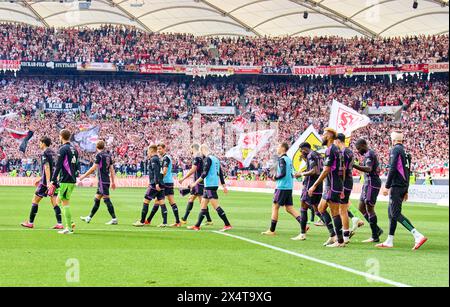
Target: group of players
[328, 184]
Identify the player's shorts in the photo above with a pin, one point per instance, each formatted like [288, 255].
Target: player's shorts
[198, 190]
[283, 198]
[152, 193]
[347, 194]
[42, 190]
[396, 196]
[210, 193]
[331, 195]
[103, 189]
[65, 190]
[313, 200]
[168, 189]
[369, 194]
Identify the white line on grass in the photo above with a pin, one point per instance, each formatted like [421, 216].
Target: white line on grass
[330, 264]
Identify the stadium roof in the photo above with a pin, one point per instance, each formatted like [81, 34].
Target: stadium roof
[345, 18]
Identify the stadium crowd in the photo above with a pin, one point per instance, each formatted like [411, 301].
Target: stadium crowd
[134, 113]
[127, 45]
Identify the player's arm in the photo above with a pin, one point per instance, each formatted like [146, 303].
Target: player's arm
[58, 167]
[89, 172]
[156, 166]
[283, 170]
[323, 175]
[205, 172]
[364, 169]
[393, 159]
[47, 170]
[190, 173]
[222, 181]
[165, 167]
[112, 174]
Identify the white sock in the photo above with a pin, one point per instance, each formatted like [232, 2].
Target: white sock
[417, 235]
[389, 240]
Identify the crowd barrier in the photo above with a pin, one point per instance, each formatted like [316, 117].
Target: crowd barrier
[438, 194]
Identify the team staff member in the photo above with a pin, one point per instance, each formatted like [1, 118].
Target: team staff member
[397, 185]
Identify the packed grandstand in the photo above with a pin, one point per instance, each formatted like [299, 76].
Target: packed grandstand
[141, 103]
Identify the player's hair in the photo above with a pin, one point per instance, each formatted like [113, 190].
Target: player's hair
[361, 142]
[204, 148]
[101, 145]
[332, 131]
[65, 134]
[46, 140]
[195, 147]
[163, 146]
[305, 145]
[153, 147]
[285, 145]
[397, 135]
[341, 137]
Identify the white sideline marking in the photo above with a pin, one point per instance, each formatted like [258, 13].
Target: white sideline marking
[141, 229]
[330, 264]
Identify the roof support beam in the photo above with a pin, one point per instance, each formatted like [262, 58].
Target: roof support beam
[91, 10]
[200, 20]
[178, 7]
[36, 14]
[247, 4]
[225, 14]
[338, 17]
[131, 16]
[410, 18]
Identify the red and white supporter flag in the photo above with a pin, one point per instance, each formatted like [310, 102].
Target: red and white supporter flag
[346, 120]
[249, 145]
[240, 123]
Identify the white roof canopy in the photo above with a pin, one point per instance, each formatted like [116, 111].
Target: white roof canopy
[345, 18]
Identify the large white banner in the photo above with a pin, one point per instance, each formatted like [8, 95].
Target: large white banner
[346, 120]
[217, 110]
[249, 145]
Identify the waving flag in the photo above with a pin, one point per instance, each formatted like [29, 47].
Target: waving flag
[23, 137]
[240, 123]
[4, 120]
[87, 139]
[346, 120]
[313, 138]
[249, 145]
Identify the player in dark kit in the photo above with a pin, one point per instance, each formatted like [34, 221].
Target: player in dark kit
[154, 190]
[47, 166]
[283, 193]
[106, 179]
[65, 174]
[371, 188]
[314, 165]
[168, 183]
[333, 188]
[397, 185]
[197, 191]
[348, 157]
[212, 177]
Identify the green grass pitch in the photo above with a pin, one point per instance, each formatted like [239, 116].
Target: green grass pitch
[125, 256]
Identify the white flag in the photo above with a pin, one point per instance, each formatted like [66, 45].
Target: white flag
[346, 120]
[313, 138]
[249, 145]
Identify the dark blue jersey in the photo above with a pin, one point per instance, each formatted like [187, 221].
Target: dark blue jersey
[198, 162]
[67, 166]
[154, 171]
[313, 160]
[349, 158]
[334, 160]
[399, 167]
[371, 160]
[47, 158]
[104, 162]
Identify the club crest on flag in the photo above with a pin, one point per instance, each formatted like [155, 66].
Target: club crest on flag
[346, 120]
[311, 136]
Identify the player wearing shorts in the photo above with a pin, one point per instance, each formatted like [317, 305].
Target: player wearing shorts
[212, 176]
[371, 188]
[106, 180]
[47, 166]
[65, 174]
[397, 185]
[346, 209]
[314, 166]
[284, 187]
[197, 191]
[333, 189]
[154, 190]
[167, 166]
